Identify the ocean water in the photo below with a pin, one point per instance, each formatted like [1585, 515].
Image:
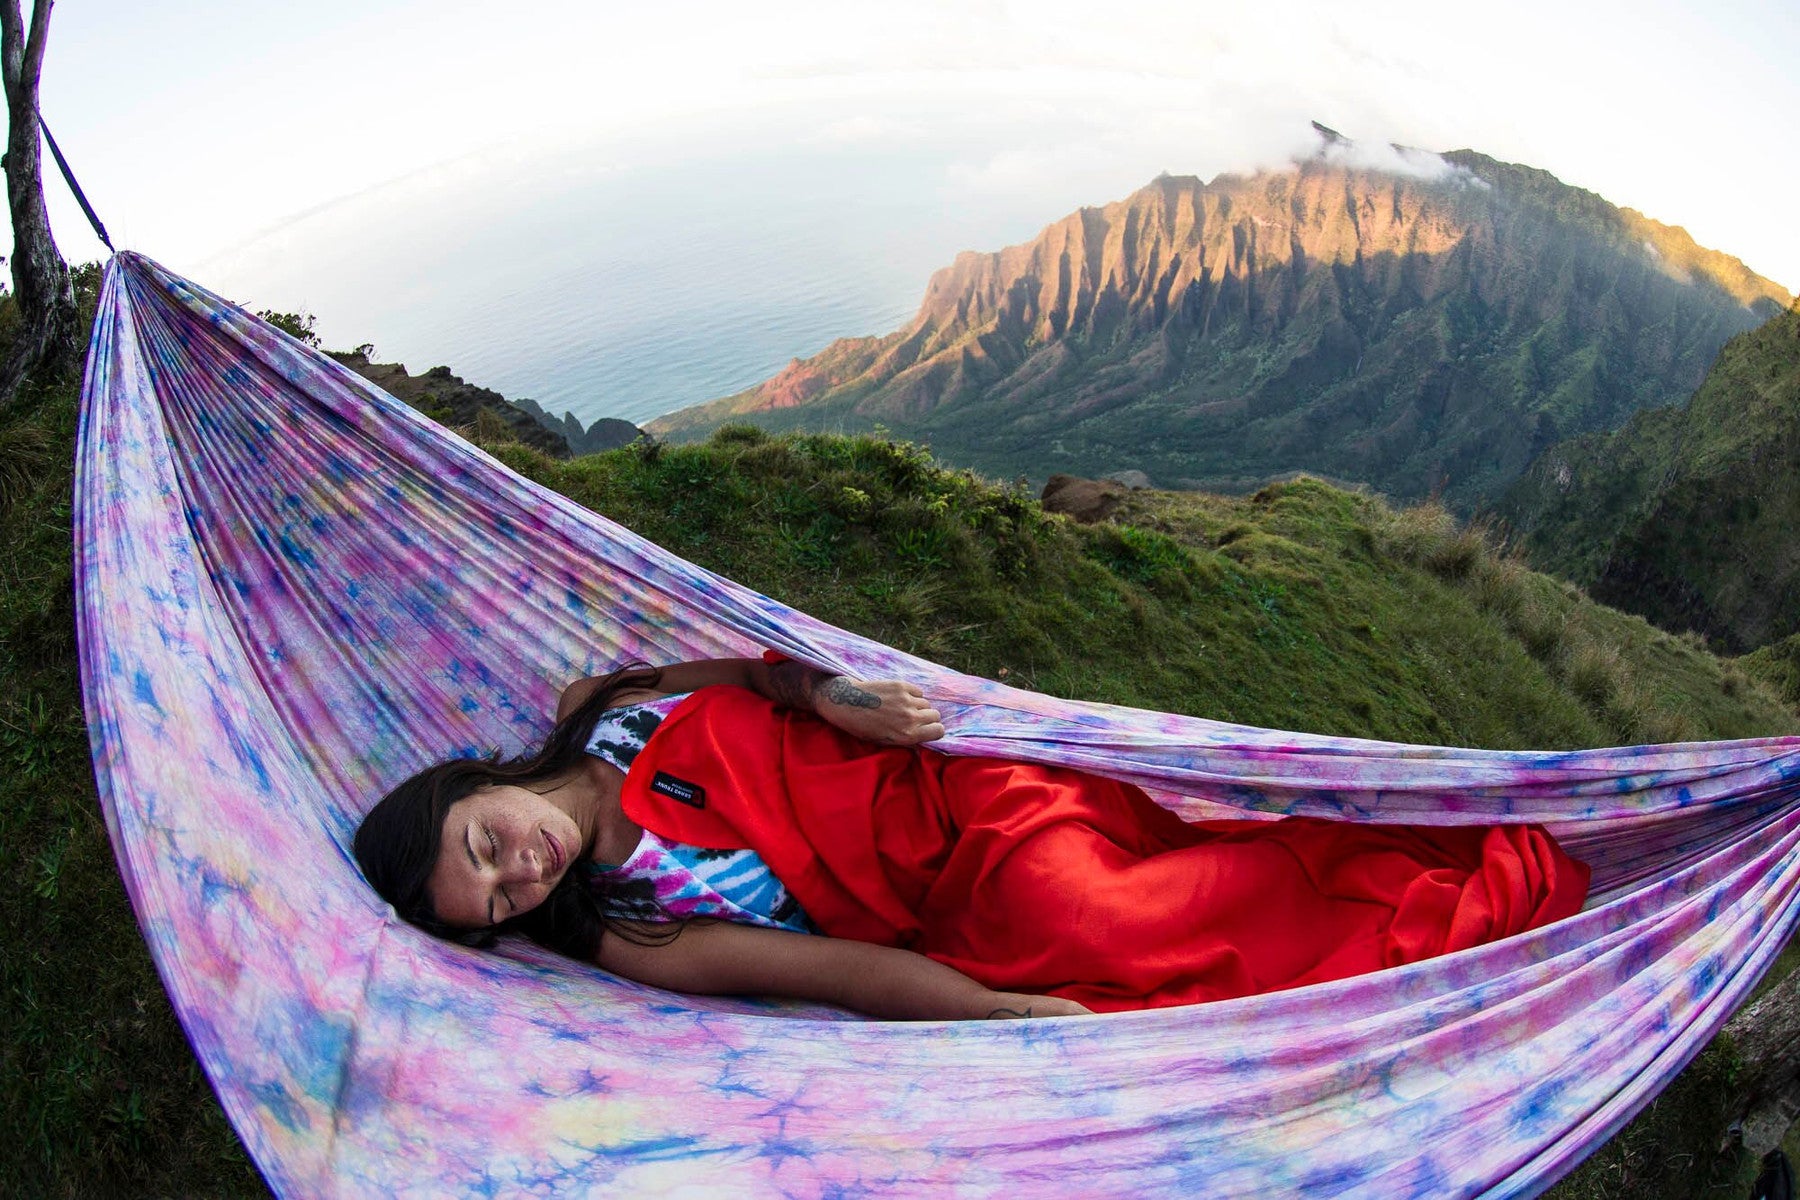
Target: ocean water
[632, 274]
[631, 277]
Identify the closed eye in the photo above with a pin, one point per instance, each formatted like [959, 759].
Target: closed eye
[494, 847]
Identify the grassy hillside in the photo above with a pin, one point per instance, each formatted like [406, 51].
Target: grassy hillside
[99, 1093]
[1302, 606]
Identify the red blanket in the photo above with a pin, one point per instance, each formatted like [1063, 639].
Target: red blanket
[1048, 880]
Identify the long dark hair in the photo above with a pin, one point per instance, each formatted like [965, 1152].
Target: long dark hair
[397, 843]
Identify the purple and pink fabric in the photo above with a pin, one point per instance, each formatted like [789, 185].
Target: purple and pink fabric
[294, 591]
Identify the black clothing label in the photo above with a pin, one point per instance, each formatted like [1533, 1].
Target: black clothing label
[690, 794]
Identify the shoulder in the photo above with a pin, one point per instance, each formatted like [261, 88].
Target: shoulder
[578, 693]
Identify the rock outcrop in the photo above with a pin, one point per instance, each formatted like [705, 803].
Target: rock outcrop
[1083, 500]
[446, 399]
[607, 433]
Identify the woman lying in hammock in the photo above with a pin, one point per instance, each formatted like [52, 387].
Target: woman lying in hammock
[790, 804]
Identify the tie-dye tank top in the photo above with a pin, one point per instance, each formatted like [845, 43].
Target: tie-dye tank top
[663, 879]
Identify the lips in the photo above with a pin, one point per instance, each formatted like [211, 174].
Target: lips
[556, 852]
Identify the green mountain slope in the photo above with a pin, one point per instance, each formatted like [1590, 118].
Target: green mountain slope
[1425, 330]
[1689, 515]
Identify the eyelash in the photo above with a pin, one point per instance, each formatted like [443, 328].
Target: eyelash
[494, 846]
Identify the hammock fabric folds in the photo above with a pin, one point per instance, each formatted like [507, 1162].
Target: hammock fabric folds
[294, 591]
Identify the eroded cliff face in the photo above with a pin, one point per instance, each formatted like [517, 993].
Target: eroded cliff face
[1423, 332]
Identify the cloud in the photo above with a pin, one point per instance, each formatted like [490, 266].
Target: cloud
[1390, 159]
[865, 128]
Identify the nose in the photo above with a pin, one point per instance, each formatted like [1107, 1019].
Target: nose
[526, 867]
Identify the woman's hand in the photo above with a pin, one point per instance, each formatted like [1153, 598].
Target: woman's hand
[886, 711]
[1014, 1006]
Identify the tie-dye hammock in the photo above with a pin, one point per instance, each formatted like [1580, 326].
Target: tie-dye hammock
[294, 590]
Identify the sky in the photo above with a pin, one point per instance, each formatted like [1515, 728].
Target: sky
[198, 126]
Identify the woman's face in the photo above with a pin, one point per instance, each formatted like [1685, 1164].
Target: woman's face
[501, 850]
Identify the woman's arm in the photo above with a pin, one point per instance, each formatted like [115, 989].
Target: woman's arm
[885, 711]
[720, 958]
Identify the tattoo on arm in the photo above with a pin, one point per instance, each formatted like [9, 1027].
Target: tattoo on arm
[792, 684]
[840, 690]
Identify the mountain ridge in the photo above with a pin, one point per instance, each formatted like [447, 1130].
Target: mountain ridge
[1426, 330]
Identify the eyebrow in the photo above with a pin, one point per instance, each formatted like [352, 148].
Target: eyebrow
[469, 845]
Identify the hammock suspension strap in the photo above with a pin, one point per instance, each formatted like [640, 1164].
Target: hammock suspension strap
[62, 164]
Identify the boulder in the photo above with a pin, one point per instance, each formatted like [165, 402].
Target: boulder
[1085, 500]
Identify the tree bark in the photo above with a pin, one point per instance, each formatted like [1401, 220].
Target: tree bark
[41, 283]
[1767, 1037]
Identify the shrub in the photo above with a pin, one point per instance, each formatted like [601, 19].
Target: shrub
[490, 426]
[1429, 536]
[1137, 554]
[739, 433]
[1594, 673]
[1540, 625]
[26, 453]
[1500, 586]
[1458, 554]
[296, 325]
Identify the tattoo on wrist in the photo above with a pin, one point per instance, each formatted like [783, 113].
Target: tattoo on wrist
[839, 690]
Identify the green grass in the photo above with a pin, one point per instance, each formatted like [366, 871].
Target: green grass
[1303, 606]
[99, 1092]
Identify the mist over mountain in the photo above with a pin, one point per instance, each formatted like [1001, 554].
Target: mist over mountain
[1687, 515]
[1419, 323]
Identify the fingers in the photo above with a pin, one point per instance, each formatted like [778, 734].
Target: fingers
[910, 704]
[1018, 1006]
[927, 728]
[927, 724]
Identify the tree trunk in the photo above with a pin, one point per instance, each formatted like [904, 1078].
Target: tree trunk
[1766, 1035]
[41, 283]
